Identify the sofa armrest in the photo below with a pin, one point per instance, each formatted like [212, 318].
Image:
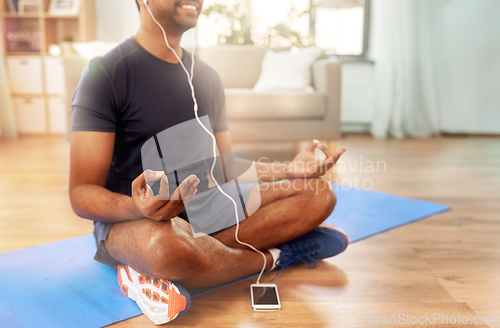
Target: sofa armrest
[327, 79]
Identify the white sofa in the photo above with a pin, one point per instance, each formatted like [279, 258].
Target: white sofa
[276, 116]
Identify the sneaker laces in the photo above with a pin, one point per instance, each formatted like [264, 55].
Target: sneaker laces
[300, 252]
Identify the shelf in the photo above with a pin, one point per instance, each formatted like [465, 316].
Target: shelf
[51, 16]
[39, 15]
[27, 15]
[38, 95]
[28, 95]
[47, 100]
[26, 53]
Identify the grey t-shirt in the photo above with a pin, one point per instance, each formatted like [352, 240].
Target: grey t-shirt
[137, 95]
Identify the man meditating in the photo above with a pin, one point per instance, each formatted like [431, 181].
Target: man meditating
[127, 97]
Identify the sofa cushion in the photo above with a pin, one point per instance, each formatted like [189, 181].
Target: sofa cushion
[288, 69]
[247, 104]
[238, 66]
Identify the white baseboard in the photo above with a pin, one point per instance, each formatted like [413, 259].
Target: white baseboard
[355, 127]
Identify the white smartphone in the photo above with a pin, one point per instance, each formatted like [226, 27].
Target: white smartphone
[265, 297]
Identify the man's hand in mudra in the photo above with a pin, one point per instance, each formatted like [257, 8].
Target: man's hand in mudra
[162, 206]
[307, 165]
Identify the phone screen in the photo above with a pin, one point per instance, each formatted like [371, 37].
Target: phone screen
[265, 295]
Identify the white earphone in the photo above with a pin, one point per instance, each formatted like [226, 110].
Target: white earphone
[214, 143]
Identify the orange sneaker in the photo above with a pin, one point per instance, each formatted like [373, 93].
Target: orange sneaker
[160, 300]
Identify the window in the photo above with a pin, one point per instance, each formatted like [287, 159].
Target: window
[275, 23]
[340, 27]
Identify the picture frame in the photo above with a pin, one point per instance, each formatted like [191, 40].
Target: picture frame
[65, 7]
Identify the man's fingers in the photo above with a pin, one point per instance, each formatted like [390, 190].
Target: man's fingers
[181, 196]
[190, 195]
[332, 159]
[145, 177]
[186, 187]
[338, 153]
[162, 207]
[329, 162]
[164, 189]
[150, 191]
[312, 145]
[325, 165]
[152, 175]
[139, 183]
[325, 150]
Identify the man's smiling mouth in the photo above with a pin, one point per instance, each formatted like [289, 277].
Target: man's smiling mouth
[189, 7]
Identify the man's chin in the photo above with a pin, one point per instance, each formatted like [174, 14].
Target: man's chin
[186, 27]
[186, 24]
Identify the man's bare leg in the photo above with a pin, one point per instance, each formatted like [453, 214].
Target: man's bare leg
[289, 209]
[169, 250]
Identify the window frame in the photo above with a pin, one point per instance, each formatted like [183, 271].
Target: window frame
[363, 57]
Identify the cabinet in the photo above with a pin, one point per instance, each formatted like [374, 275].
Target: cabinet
[30, 112]
[54, 75]
[37, 78]
[57, 115]
[25, 74]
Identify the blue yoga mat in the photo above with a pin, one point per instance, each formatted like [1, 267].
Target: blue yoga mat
[60, 285]
[363, 213]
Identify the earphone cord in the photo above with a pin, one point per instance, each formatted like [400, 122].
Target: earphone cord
[190, 81]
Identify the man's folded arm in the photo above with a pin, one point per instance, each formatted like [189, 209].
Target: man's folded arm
[90, 160]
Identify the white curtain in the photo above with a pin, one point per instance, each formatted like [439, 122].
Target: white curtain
[8, 128]
[437, 67]
[404, 68]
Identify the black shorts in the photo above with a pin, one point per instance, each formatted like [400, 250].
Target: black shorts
[101, 229]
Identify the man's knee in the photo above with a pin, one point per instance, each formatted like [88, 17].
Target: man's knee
[326, 197]
[171, 252]
[331, 199]
[322, 197]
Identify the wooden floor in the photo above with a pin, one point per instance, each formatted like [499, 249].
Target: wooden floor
[448, 264]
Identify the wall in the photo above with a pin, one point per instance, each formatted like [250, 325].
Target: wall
[116, 20]
[468, 57]
[358, 97]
